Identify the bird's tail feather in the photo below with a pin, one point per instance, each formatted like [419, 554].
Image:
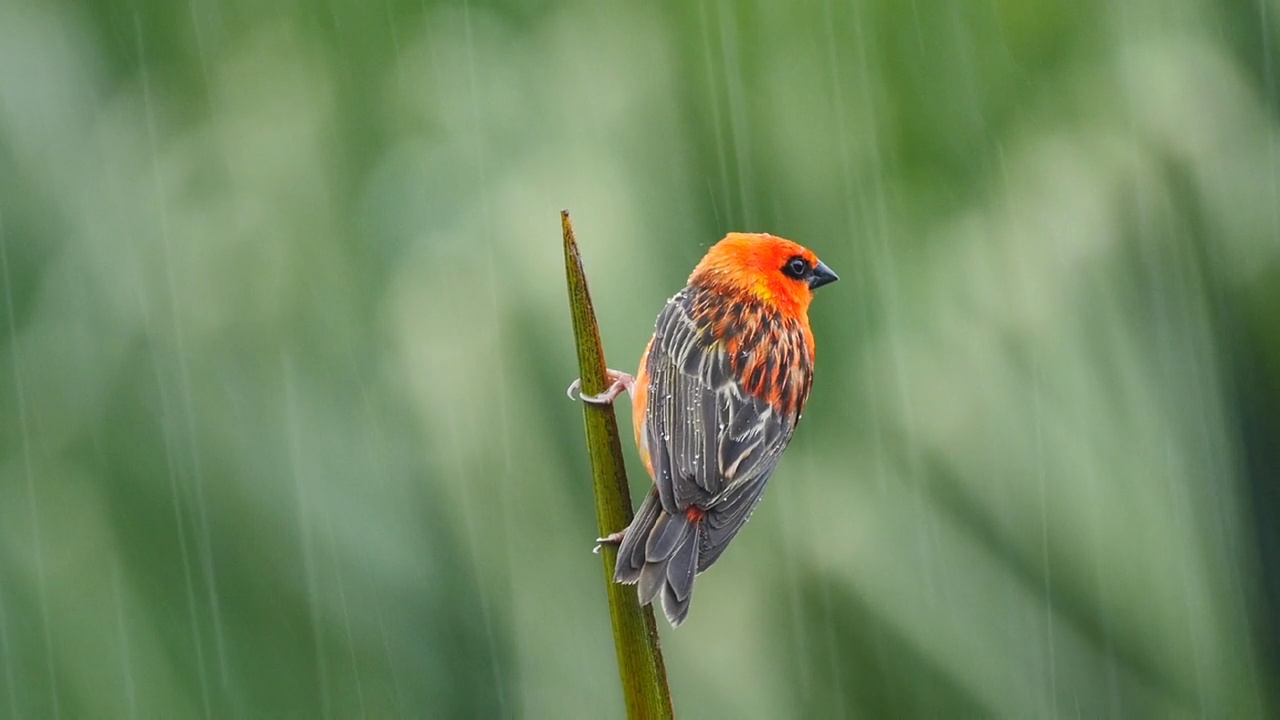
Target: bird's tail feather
[659, 554]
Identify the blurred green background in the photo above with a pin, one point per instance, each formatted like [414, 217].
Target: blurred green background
[285, 340]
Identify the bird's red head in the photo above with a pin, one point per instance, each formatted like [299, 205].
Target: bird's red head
[776, 271]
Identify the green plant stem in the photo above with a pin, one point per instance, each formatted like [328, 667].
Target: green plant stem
[635, 632]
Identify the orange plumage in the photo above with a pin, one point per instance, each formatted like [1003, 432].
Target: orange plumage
[718, 395]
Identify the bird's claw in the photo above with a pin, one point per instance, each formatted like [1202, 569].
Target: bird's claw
[619, 382]
[611, 539]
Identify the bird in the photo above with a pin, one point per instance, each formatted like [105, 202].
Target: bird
[720, 389]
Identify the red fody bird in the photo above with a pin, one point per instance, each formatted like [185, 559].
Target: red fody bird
[720, 390]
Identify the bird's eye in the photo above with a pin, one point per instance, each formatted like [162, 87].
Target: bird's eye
[796, 267]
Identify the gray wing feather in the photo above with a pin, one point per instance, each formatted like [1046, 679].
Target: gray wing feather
[710, 445]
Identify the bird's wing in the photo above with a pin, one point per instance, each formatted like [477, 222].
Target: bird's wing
[712, 444]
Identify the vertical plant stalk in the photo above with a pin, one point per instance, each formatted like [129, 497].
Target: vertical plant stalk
[635, 632]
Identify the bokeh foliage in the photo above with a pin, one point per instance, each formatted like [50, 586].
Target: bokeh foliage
[282, 424]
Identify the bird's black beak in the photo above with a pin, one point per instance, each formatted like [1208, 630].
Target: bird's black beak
[821, 275]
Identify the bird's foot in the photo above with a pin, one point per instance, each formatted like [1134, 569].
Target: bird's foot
[619, 382]
[612, 539]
